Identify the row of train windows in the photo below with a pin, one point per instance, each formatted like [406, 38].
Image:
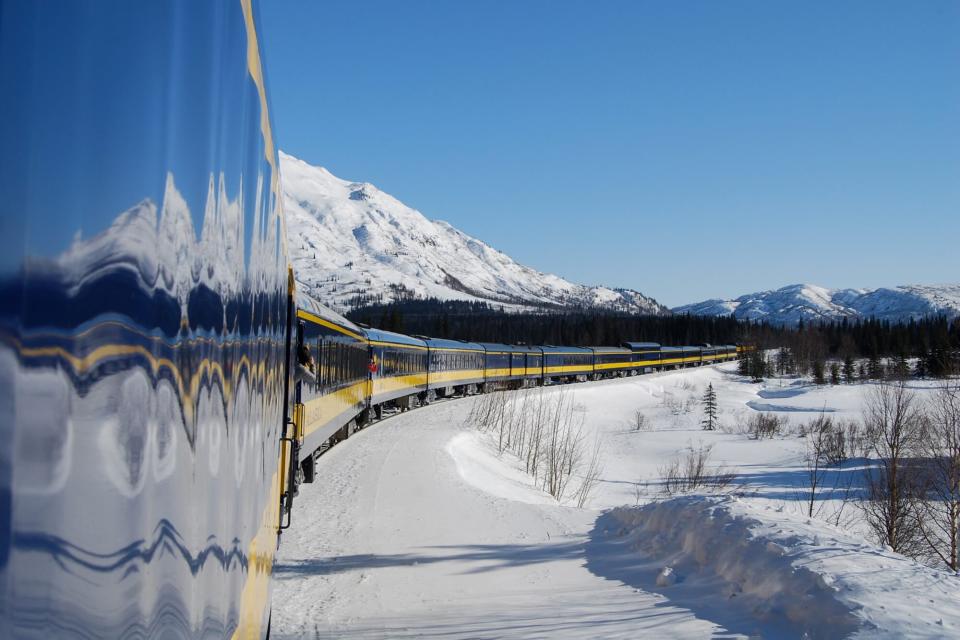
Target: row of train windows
[455, 361]
[339, 363]
[614, 357]
[569, 360]
[402, 362]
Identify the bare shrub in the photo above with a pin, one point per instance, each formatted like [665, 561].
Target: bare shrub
[673, 404]
[638, 422]
[692, 471]
[764, 425]
[590, 475]
[940, 447]
[828, 440]
[893, 423]
[825, 447]
[640, 490]
[545, 430]
[855, 438]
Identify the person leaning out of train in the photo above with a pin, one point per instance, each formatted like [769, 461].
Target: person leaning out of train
[306, 368]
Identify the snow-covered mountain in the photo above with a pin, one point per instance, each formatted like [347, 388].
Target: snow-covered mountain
[808, 302]
[352, 243]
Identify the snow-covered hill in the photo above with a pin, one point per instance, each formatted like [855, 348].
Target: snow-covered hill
[352, 243]
[808, 302]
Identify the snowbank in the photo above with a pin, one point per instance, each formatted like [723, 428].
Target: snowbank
[792, 576]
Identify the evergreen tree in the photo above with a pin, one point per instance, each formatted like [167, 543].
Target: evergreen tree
[901, 369]
[849, 373]
[920, 368]
[709, 408]
[743, 364]
[784, 361]
[819, 371]
[757, 366]
[834, 372]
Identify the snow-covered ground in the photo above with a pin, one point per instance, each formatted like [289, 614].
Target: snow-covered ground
[416, 527]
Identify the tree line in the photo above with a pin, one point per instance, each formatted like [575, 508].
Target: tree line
[827, 350]
[483, 322]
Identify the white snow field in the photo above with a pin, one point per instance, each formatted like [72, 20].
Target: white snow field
[416, 527]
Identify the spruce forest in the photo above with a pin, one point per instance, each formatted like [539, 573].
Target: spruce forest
[834, 350]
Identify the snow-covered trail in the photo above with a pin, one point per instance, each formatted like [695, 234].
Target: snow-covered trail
[391, 541]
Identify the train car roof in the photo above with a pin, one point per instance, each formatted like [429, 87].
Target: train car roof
[379, 335]
[555, 349]
[326, 315]
[691, 348]
[527, 348]
[442, 343]
[671, 348]
[636, 346]
[610, 350]
[508, 348]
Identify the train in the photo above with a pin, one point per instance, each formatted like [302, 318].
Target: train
[349, 373]
[165, 384]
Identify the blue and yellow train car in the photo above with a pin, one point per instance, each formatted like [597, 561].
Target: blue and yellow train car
[504, 364]
[692, 356]
[398, 369]
[609, 362]
[531, 368]
[331, 376]
[144, 311]
[646, 355]
[454, 367]
[671, 357]
[567, 363]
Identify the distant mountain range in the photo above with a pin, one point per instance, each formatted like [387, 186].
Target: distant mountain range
[353, 244]
[808, 302]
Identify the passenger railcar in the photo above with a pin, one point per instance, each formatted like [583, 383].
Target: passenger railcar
[454, 366]
[692, 356]
[671, 357]
[144, 316]
[612, 361]
[331, 375]
[503, 363]
[534, 365]
[398, 368]
[646, 355]
[567, 363]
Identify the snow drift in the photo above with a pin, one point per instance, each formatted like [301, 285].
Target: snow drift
[792, 576]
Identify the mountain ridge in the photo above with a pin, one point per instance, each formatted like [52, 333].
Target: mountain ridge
[353, 244]
[807, 302]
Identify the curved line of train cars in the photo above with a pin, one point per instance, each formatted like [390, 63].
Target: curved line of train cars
[347, 374]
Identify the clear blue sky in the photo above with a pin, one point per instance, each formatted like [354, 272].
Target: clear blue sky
[686, 149]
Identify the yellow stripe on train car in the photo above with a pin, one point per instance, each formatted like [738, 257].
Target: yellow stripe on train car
[454, 376]
[398, 383]
[319, 411]
[571, 368]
